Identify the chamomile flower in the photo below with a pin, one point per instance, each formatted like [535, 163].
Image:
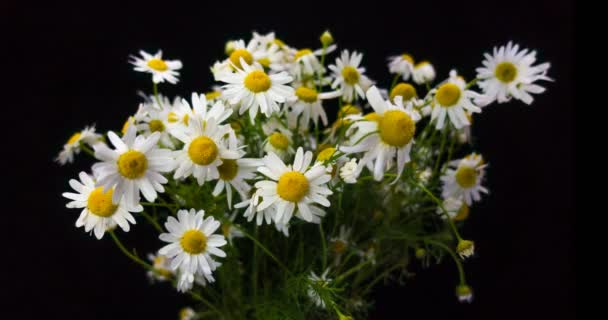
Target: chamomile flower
[220, 69]
[267, 215]
[403, 89]
[402, 65]
[282, 228]
[306, 63]
[279, 143]
[321, 281]
[348, 172]
[161, 70]
[134, 165]
[452, 100]
[254, 89]
[156, 119]
[187, 279]
[307, 105]
[348, 75]
[248, 52]
[340, 244]
[463, 178]
[464, 293]
[99, 213]
[424, 72]
[389, 134]
[293, 188]
[72, 146]
[187, 314]
[456, 209]
[161, 268]
[229, 230]
[233, 173]
[510, 73]
[192, 242]
[200, 108]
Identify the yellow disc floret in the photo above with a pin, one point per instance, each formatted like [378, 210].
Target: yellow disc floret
[407, 58]
[448, 94]
[236, 55]
[405, 90]
[100, 203]
[505, 72]
[74, 138]
[257, 81]
[349, 109]
[213, 95]
[292, 186]
[463, 213]
[466, 176]
[350, 75]
[396, 128]
[372, 116]
[156, 125]
[193, 241]
[202, 151]
[279, 141]
[228, 169]
[301, 53]
[326, 154]
[307, 95]
[132, 164]
[157, 64]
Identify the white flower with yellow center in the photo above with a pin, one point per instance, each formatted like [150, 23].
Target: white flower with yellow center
[72, 146]
[349, 76]
[135, 165]
[192, 242]
[402, 65]
[509, 73]
[307, 105]
[463, 178]
[388, 134]
[305, 61]
[234, 173]
[293, 188]
[161, 70]
[249, 52]
[424, 72]
[156, 119]
[99, 212]
[452, 100]
[161, 269]
[280, 143]
[187, 314]
[321, 281]
[456, 209]
[254, 89]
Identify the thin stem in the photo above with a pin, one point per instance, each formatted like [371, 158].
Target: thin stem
[152, 221]
[163, 205]
[395, 79]
[380, 277]
[440, 204]
[266, 251]
[323, 245]
[254, 266]
[351, 270]
[129, 254]
[86, 149]
[441, 147]
[454, 257]
[155, 91]
[450, 153]
[200, 298]
[471, 83]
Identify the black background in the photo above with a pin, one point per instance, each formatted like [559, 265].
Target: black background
[67, 68]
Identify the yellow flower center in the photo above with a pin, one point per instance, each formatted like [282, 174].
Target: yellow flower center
[339, 246]
[226, 229]
[349, 109]
[235, 126]
[278, 42]
[202, 151]
[301, 53]
[350, 75]
[265, 62]
[125, 126]
[236, 55]
[306, 94]
[292, 186]
[372, 116]
[132, 164]
[193, 241]
[156, 125]
[407, 58]
[228, 169]
[213, 95]
[396, 128]
[405, 90]
[279, 141]
[326, 154]
[257, 81]
[74, 138]
[422, 64]
[463, 213]
[505, 72]
[448, 95]
[100, 203]
[466, 176]
[172, 117]
[158, 65]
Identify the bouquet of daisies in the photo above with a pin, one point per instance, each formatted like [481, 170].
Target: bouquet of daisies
[297, 184]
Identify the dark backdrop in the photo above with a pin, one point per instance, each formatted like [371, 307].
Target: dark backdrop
[70, 69]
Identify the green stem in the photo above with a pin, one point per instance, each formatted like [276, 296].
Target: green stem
[129, 254]
[471, 83]
[440, 204]
[200, 298]
[395, 80]
[441, 147]
[87, 149]
[152, 221]
[163, 205]
[323, 245]
[454, 257]
[351, 270]
[380, 277]
[155, 91]
[266, 251]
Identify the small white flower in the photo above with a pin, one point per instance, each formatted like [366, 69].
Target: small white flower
[348, 172]
[464, 293]
[72, 146]
[452, 100]
[187, 314]
[307, 106]
[423, 72]
[465, 248]
[456, 209]
[233, 173]
[229, 229]
[306, 63]
[156, 119]
[321, 281]
[280, 143]
[162, 270]
[161, 70]
[349, 76]
[402, 64]
[463, 178]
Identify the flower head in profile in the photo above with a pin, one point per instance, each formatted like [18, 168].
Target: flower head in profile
[72, 146]
[402, 64]
[424, 72]
[161, 70]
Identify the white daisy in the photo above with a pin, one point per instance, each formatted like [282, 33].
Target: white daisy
[509, 73]
[161, 70]
[456, 209]
[233, 173]
[402, 64]
[349, 76]
[186, 279]
[390, 135]
[405, 90]
[305, 62]
[321, 281]
[451, 100]
[162, 271]
[465, 248]
[348, 172]
[99, 212]
[463, 178]
[254, 89]
[282, 228]
[192, 242]
[229, 230]
[293, 188]
[424, 72]
[464, 293]
[156, 119]
[72, 146]
[279, 143]
[267, 215]
[135, 165]
[249, 52]
[220, 69]
[307, 105]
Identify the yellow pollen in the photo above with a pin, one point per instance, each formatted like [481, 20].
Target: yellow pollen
[202, 151]
[396, 128]
[257, 81]
[292, 186]
[212, 95]
[158, 65]
[228, 169]
[156, 125]
[463, 213]
[132, 164]
[236, 55]
[448, 95]
[372, 116]
[505, 72]
[100, 203]
[301, 53]
[466, 176]
[349, 109]
[405, 90]
[193, 241]
[326, 154]
[306, 94]
[172, 117]
[125, 126]
[350, 75]
[407, 58]
[422, 64]
[339, 246]
[279, 141]
[278, 42]
[74, 138]
[265, 62]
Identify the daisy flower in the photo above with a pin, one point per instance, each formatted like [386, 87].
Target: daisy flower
[306, 63]
[228, 228]
[186, 279]
[321, 281]
[402, 65]
[254, 89]
[307, 105]
[349, 76]
[247, 52]
[389, 134]
[192, 242]
[156, 119]
[162, 270]
[510, 73]
[233, 173]
[464, 293]
[451, 100]
[99, 212]
[456, 209]
[340, 243]
[465, 248]
[134, 165]
[405, 90]
[251, 211]
[293, 188]
[348, 172]
[463, 178]
[200, 108]
[72, 146]
[279, 143]
[424, 72]
[161, 70]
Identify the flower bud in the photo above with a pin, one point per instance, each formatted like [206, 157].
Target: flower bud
[326, 38]
[465, 248]
[464, 293]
